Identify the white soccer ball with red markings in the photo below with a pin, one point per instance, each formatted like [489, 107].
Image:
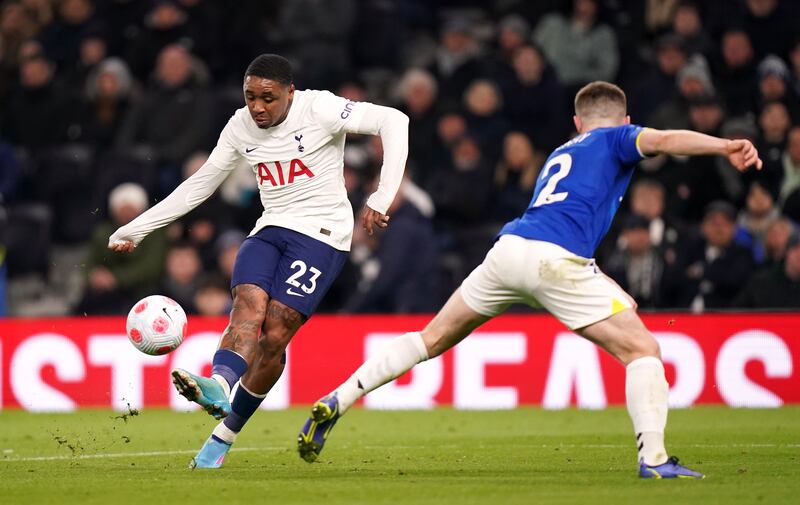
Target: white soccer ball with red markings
[156, 325]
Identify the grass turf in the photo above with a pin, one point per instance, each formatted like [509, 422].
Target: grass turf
[441, 456]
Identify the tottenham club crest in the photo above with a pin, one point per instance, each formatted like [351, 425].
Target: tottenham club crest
[299, 139]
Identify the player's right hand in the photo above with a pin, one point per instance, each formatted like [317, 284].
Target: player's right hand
[743, 154]
[371, 218]
[121, 245]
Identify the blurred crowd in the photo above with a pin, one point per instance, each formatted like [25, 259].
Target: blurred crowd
[107, 105]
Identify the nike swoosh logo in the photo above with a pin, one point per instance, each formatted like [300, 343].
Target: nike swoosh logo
[250, 150]
[290, 292]
[166, 313]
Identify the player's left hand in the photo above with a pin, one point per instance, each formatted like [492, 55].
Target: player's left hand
[371, 218]
[743, 154]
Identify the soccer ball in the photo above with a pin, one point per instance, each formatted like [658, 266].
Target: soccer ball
[156, 325]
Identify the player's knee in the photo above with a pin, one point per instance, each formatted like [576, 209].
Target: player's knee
[249, 302]
[280, 325]
[273, 341]
[641, 345]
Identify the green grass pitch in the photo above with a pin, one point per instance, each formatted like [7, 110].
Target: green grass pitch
[433, 457]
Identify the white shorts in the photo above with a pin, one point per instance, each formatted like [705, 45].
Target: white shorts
[543, 274]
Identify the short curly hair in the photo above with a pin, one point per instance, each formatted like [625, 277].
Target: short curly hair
[271, 66]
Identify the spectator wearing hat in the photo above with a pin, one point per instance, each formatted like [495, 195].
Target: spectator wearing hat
[105, 103]
[635, 264]
[773, 85]
[580, 47]
[693, 81]
[779, 286]
[116, 281]
[711, 269]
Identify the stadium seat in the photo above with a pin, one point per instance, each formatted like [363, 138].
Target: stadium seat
[65, 175]
[27, 239]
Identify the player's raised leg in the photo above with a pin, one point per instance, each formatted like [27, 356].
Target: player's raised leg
[452, 324]
[626, 338]
[230, 362]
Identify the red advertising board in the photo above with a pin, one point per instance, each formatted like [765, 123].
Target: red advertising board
[738, 360]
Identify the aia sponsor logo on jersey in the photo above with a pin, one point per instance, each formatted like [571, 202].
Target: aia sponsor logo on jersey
[276, 173]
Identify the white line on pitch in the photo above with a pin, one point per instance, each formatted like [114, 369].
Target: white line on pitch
[384, 447]
[590, 446]
[128, 454]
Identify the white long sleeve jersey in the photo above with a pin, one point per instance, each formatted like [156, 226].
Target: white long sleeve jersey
[298, 166]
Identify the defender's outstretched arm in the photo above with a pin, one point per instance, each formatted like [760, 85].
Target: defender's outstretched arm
[740, 152]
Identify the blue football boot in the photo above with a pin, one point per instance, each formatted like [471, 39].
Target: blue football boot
[672, 469]
[204, 391]
[311, 439]
[211, 455]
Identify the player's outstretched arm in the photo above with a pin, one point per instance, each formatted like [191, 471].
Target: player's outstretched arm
[740, 152]
[191, 193]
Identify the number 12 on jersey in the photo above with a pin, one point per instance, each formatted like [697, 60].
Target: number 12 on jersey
[547, 195]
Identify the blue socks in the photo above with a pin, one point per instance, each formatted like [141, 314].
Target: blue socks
[228, 365]
[243, 406]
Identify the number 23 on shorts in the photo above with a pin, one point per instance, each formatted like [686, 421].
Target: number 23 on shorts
[300, 268]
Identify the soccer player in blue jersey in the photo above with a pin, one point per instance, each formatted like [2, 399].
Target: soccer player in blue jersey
[544, 259]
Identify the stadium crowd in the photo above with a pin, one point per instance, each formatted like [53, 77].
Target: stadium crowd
[106, 105]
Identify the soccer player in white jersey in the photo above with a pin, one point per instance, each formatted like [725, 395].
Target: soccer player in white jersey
[294, 142]
[544, 259]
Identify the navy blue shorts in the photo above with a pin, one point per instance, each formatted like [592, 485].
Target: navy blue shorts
[290, 267]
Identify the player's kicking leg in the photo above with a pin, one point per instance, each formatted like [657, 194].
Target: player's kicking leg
[280, 325]
[230, 362]
[453, 322]
[626, 338]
